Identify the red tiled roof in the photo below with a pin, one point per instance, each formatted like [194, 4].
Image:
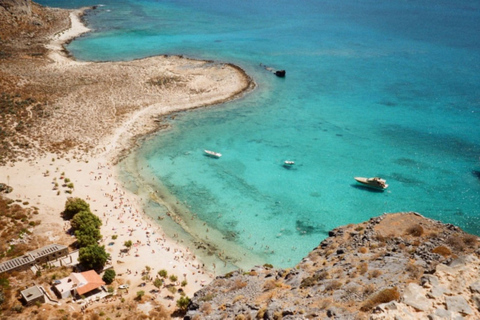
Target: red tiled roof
[93, 282]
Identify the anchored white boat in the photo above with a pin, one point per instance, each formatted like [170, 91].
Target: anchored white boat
[212, 154]
[375, 182]
[288, 163]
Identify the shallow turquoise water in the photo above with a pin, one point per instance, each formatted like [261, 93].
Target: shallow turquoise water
[389, 89]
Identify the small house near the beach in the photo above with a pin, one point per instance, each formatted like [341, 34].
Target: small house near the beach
[78, 284]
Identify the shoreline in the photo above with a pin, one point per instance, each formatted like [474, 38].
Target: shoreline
[215, 251]
[96, 179]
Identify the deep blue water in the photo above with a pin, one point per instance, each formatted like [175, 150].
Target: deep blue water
[388, 88]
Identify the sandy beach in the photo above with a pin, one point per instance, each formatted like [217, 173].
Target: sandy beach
[100, 109]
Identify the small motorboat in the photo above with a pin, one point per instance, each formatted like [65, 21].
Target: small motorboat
[375, 182]
[212, 154]
[288, 164]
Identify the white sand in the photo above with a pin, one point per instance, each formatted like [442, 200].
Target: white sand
[77, 28]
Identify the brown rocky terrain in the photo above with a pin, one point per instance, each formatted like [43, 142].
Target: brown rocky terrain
[52, 103]
[24, 28]
[396, 266]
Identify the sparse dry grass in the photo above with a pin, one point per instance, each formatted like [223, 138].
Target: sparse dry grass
[415, 230]
[363, 250]
[383, 296]
[206, 308]
[375, 273]
[325, 303]
[362, 268]
[261, 313]
[352, 289]
[16, 224]
[333, 285]
[470, 240]
[313, 280]
[237, 284]
[368, 289]
[456, 243]
[167, 81]
[274, 284]
[443, 251]
[414, 270]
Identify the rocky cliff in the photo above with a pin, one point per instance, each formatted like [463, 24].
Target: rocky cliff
[397, 266]
[17, 7]
[24, 26]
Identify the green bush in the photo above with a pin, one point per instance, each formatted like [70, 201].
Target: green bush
[87, 236]
[109, 276]
[158, 282]
[4, 282]
[163, 273]
[74, 206]
[85, 219]
[93, 257]
[140, 294]
[183, 303]
[128, 244]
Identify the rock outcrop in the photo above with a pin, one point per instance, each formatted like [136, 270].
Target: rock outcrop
[451, 292]
[397, 266]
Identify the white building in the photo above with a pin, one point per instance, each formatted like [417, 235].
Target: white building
[78, 284]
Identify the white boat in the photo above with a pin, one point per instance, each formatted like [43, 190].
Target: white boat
[288, 163]
[212, 154]
[375, 182]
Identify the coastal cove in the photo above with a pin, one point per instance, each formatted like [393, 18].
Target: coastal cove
[331, 139]
[114, 106]
[390, 95]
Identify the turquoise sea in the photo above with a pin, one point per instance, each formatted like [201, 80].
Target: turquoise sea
[373, 88]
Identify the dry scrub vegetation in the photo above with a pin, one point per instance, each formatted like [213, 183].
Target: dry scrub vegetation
[350, 273]
[22, 38]
[17, 221]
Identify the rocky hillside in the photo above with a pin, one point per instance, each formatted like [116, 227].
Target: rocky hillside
[24, 30]
[24, 24]
[397, 266]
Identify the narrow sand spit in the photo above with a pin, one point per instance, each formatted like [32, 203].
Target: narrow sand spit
[101, 108]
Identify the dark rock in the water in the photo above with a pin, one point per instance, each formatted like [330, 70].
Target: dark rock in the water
[476, 173]
[278, 73]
